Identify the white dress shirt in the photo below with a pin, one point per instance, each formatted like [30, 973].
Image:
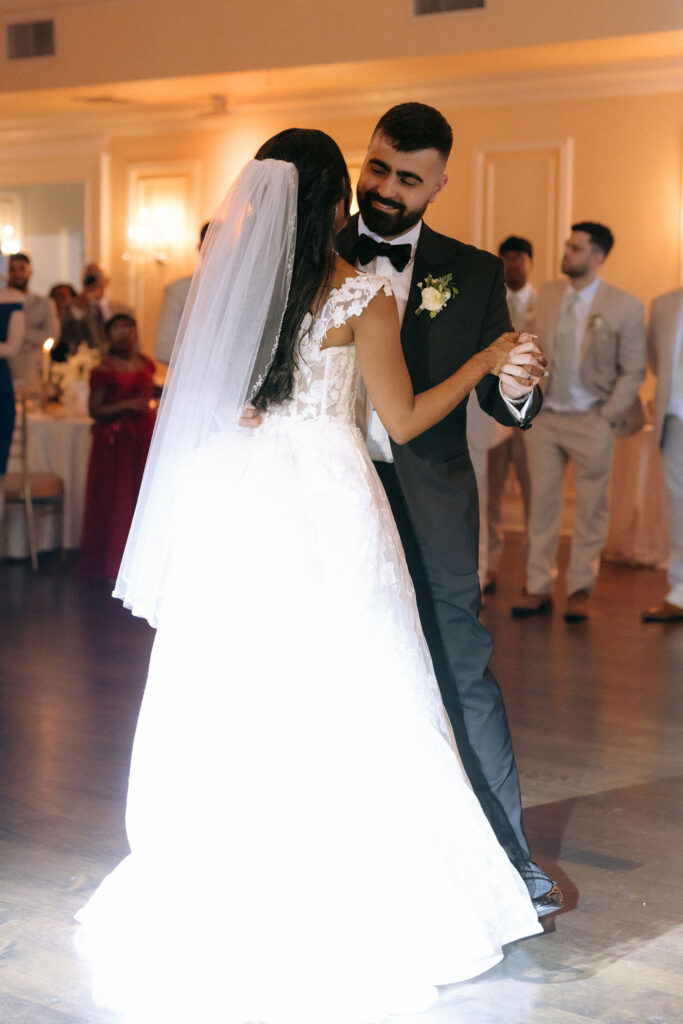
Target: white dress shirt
[376, 437]
[581, 399]
[521, 305]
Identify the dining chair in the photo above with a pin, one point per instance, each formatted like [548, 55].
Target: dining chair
[39, 494]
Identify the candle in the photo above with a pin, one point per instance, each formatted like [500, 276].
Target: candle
[47, 359]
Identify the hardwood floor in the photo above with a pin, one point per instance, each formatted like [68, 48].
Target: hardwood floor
[596, 711]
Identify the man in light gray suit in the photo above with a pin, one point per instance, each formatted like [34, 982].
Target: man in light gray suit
[665, 349]
[595, 336]
[172, 306]
[42, 322]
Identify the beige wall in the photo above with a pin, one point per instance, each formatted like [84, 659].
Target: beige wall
[626, 173]
[120, 41]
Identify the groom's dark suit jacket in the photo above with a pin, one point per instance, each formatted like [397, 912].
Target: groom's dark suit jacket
[434, 469]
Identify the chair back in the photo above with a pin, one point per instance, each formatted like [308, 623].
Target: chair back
[36, 493]
[18, 453]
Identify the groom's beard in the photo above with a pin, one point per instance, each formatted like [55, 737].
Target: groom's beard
[391, 219]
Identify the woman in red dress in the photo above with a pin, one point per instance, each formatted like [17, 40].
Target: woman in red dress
[121, 390]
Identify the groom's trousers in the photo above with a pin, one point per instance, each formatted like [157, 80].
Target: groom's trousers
[449, 603]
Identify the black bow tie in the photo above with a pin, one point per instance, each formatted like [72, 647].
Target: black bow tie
[368, 249]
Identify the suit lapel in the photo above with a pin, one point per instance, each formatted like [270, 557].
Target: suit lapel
[415, 329]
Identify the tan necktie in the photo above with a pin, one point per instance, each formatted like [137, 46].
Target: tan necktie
[563, 354]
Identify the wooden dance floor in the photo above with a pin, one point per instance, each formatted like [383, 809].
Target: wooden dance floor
[596, 711]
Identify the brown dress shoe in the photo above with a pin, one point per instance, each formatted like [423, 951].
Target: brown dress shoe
[578, 607]
[664, 612]
[532, 604]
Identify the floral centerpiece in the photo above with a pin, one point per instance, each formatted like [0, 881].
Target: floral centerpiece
[72, 377]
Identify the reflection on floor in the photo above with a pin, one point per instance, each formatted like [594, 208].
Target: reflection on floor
[596, 711]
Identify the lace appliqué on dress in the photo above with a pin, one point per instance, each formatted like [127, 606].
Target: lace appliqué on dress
[326, 380]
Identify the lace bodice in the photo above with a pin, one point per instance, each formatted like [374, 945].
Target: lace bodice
[326, 380]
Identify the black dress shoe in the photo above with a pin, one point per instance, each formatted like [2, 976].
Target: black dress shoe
[551, 902]
[545, 894]
[490, 583]
[532, 604]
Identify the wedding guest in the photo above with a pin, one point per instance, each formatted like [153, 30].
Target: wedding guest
[665, 345]
[430, 482]
[595, 335]
[510, 452]
[89, 312]
[121, 389]
[172, 305]
[42, 322]
[62, 295]
[12, 333]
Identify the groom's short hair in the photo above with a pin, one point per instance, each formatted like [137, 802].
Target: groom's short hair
[411, 126]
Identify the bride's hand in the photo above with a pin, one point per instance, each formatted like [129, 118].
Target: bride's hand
[250, 417]
[526, 367]
[499, 351]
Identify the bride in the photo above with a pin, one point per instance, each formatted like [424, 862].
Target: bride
[305, 846]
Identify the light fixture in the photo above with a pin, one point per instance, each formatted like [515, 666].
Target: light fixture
[8, 243]
[155, 233]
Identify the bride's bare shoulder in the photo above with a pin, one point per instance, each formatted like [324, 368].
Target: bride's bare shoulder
[342, 271]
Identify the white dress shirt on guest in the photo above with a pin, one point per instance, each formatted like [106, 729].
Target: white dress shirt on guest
[581, 399]
[521, 305]
[377, 439]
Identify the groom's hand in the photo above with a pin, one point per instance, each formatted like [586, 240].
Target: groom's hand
[526, 367]
[250, 417]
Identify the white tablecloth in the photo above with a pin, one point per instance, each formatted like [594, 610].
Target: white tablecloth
[56, 444]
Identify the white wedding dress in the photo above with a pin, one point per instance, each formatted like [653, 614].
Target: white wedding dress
[306, 848]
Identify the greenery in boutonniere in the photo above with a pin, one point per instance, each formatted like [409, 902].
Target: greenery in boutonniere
[436, 291]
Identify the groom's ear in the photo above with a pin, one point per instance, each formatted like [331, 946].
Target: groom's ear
[443, 181]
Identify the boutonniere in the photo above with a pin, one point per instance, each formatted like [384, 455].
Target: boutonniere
[436, 291]
[597, 325]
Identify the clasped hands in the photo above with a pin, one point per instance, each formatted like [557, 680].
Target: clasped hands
[519, 363]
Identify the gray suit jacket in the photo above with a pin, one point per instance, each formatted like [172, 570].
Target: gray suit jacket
[42, 322]
[666, 322]
[613, 350]
[172, 306]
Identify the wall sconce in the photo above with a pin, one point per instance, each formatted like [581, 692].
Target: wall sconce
[157, 231]
[9, 244]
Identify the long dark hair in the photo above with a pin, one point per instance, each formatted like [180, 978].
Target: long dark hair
[323, 182]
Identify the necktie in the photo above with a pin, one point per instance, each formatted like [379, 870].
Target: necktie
[563, 356]
[367, 249]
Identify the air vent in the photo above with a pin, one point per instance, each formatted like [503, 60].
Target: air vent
[30, 39]
[441, 6]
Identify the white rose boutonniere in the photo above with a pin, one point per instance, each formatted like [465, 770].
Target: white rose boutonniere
[436, 291]
[600, 329]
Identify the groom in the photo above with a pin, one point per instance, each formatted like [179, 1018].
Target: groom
[429, 481]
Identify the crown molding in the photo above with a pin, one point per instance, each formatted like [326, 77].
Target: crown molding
[494, 89]
[655, 76]
[32, 144]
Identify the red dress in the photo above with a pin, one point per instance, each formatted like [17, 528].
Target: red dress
[117, 462]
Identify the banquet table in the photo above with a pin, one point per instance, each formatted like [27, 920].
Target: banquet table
[58, 442]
